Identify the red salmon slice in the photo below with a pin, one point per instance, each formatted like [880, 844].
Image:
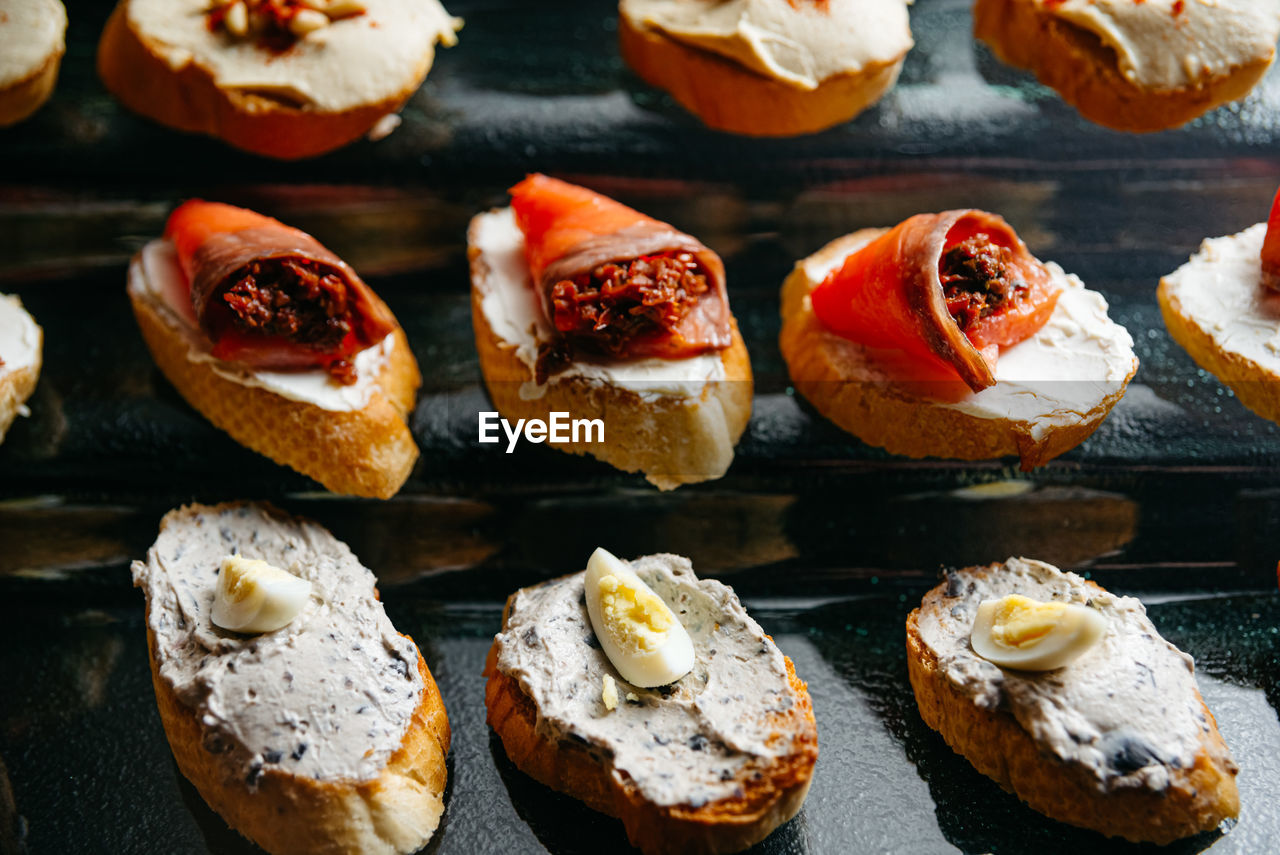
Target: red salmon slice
[195, 221]
[1271, 247]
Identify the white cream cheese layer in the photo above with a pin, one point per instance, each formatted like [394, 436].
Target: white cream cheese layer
[350, 63]
[30, 32]
[156, 273]
[1174, 44]
[800, 42]
[1221, 289]
[511, 306]
[19, 336]
[1069, 367]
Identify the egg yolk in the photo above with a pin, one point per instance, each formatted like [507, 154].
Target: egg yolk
[636, 618]
[1021, 622]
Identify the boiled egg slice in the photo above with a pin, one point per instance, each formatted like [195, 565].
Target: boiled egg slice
[254, 596]
[1025, 634]
[639, 633]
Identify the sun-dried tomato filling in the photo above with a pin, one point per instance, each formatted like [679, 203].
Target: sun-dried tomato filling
[978, 279]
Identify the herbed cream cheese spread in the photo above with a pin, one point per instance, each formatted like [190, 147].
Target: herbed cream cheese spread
[328, 696]
[1127, 710]
[1175, 44]
[1220, 289]
[155, 273]
[1069, 367]
[511, 307]
[351, 63]
[19, 336]
[683, 744]
[31, 31]
[800, 42]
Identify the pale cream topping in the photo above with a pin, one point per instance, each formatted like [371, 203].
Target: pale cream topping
[511, 306]
[328, 696]
[30, 32]
[155, 273]
[19, 336]
[800, 42]
[353, 62]
[1175, 44]
[1126, 711]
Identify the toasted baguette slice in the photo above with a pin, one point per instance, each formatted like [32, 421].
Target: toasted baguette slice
[767, 796]
[672, 440]
[1086, 73]
[17, 382]
[32, 43]
[1154, 800]
[729, 97]
[181, 89]
[365, 452]
[287, 813]
[847, 384]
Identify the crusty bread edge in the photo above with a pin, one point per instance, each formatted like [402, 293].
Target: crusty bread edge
[367, 452]
[1086, 74]
[1197, 800]
[888, 415]
[672, 441]
[190, 100]
[729, 97]
[16, 386]
[23, 97]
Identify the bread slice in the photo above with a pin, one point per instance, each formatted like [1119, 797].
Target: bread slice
[143, 74]
[991, 737]
[289, 814]
[847, 385]
[1085, 71]
[31, 50]
[671, 440]
[728, 97]
[366, 452]
[17, 383]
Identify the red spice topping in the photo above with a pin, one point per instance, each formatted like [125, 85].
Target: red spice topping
[977, 281]
[270, 21]
[1179, 6]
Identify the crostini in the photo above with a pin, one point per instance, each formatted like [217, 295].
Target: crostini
[1067, 696]
[290, 701]
[282, 78]
[32, 42]
[585, 306]
[21, 354]
[278, 342]
[1223, 307]
[1135, 66]
[652, 696]
[945, 337]
[768, 67]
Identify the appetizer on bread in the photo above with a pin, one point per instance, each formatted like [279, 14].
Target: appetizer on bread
[768, 67]
[945, 337]
[1067, 696]
[21, 354]
[653, 697]
[32, 34]
[1135, 66]
[290, 701]
[282, 78]
[278, 342]
[1223, 306]
[583, 305]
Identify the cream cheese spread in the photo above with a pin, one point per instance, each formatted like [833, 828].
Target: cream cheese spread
[800, 42]
[1220, 289]
[19, 336]
[351, 63]
[155, 272]
[511, 306]
[31, 31]
[1127, 711]
[1175, 44]
[328, 696]
[683, 744]
[1071, 366]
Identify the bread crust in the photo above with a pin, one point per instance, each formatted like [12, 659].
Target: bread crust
[1197, 800]
[367, 452]
[21, 99]
[1086, 74]
[189, 99]
[18, 385]
[727, 825]
[728, 97]
[672, 441]
[826, 369]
